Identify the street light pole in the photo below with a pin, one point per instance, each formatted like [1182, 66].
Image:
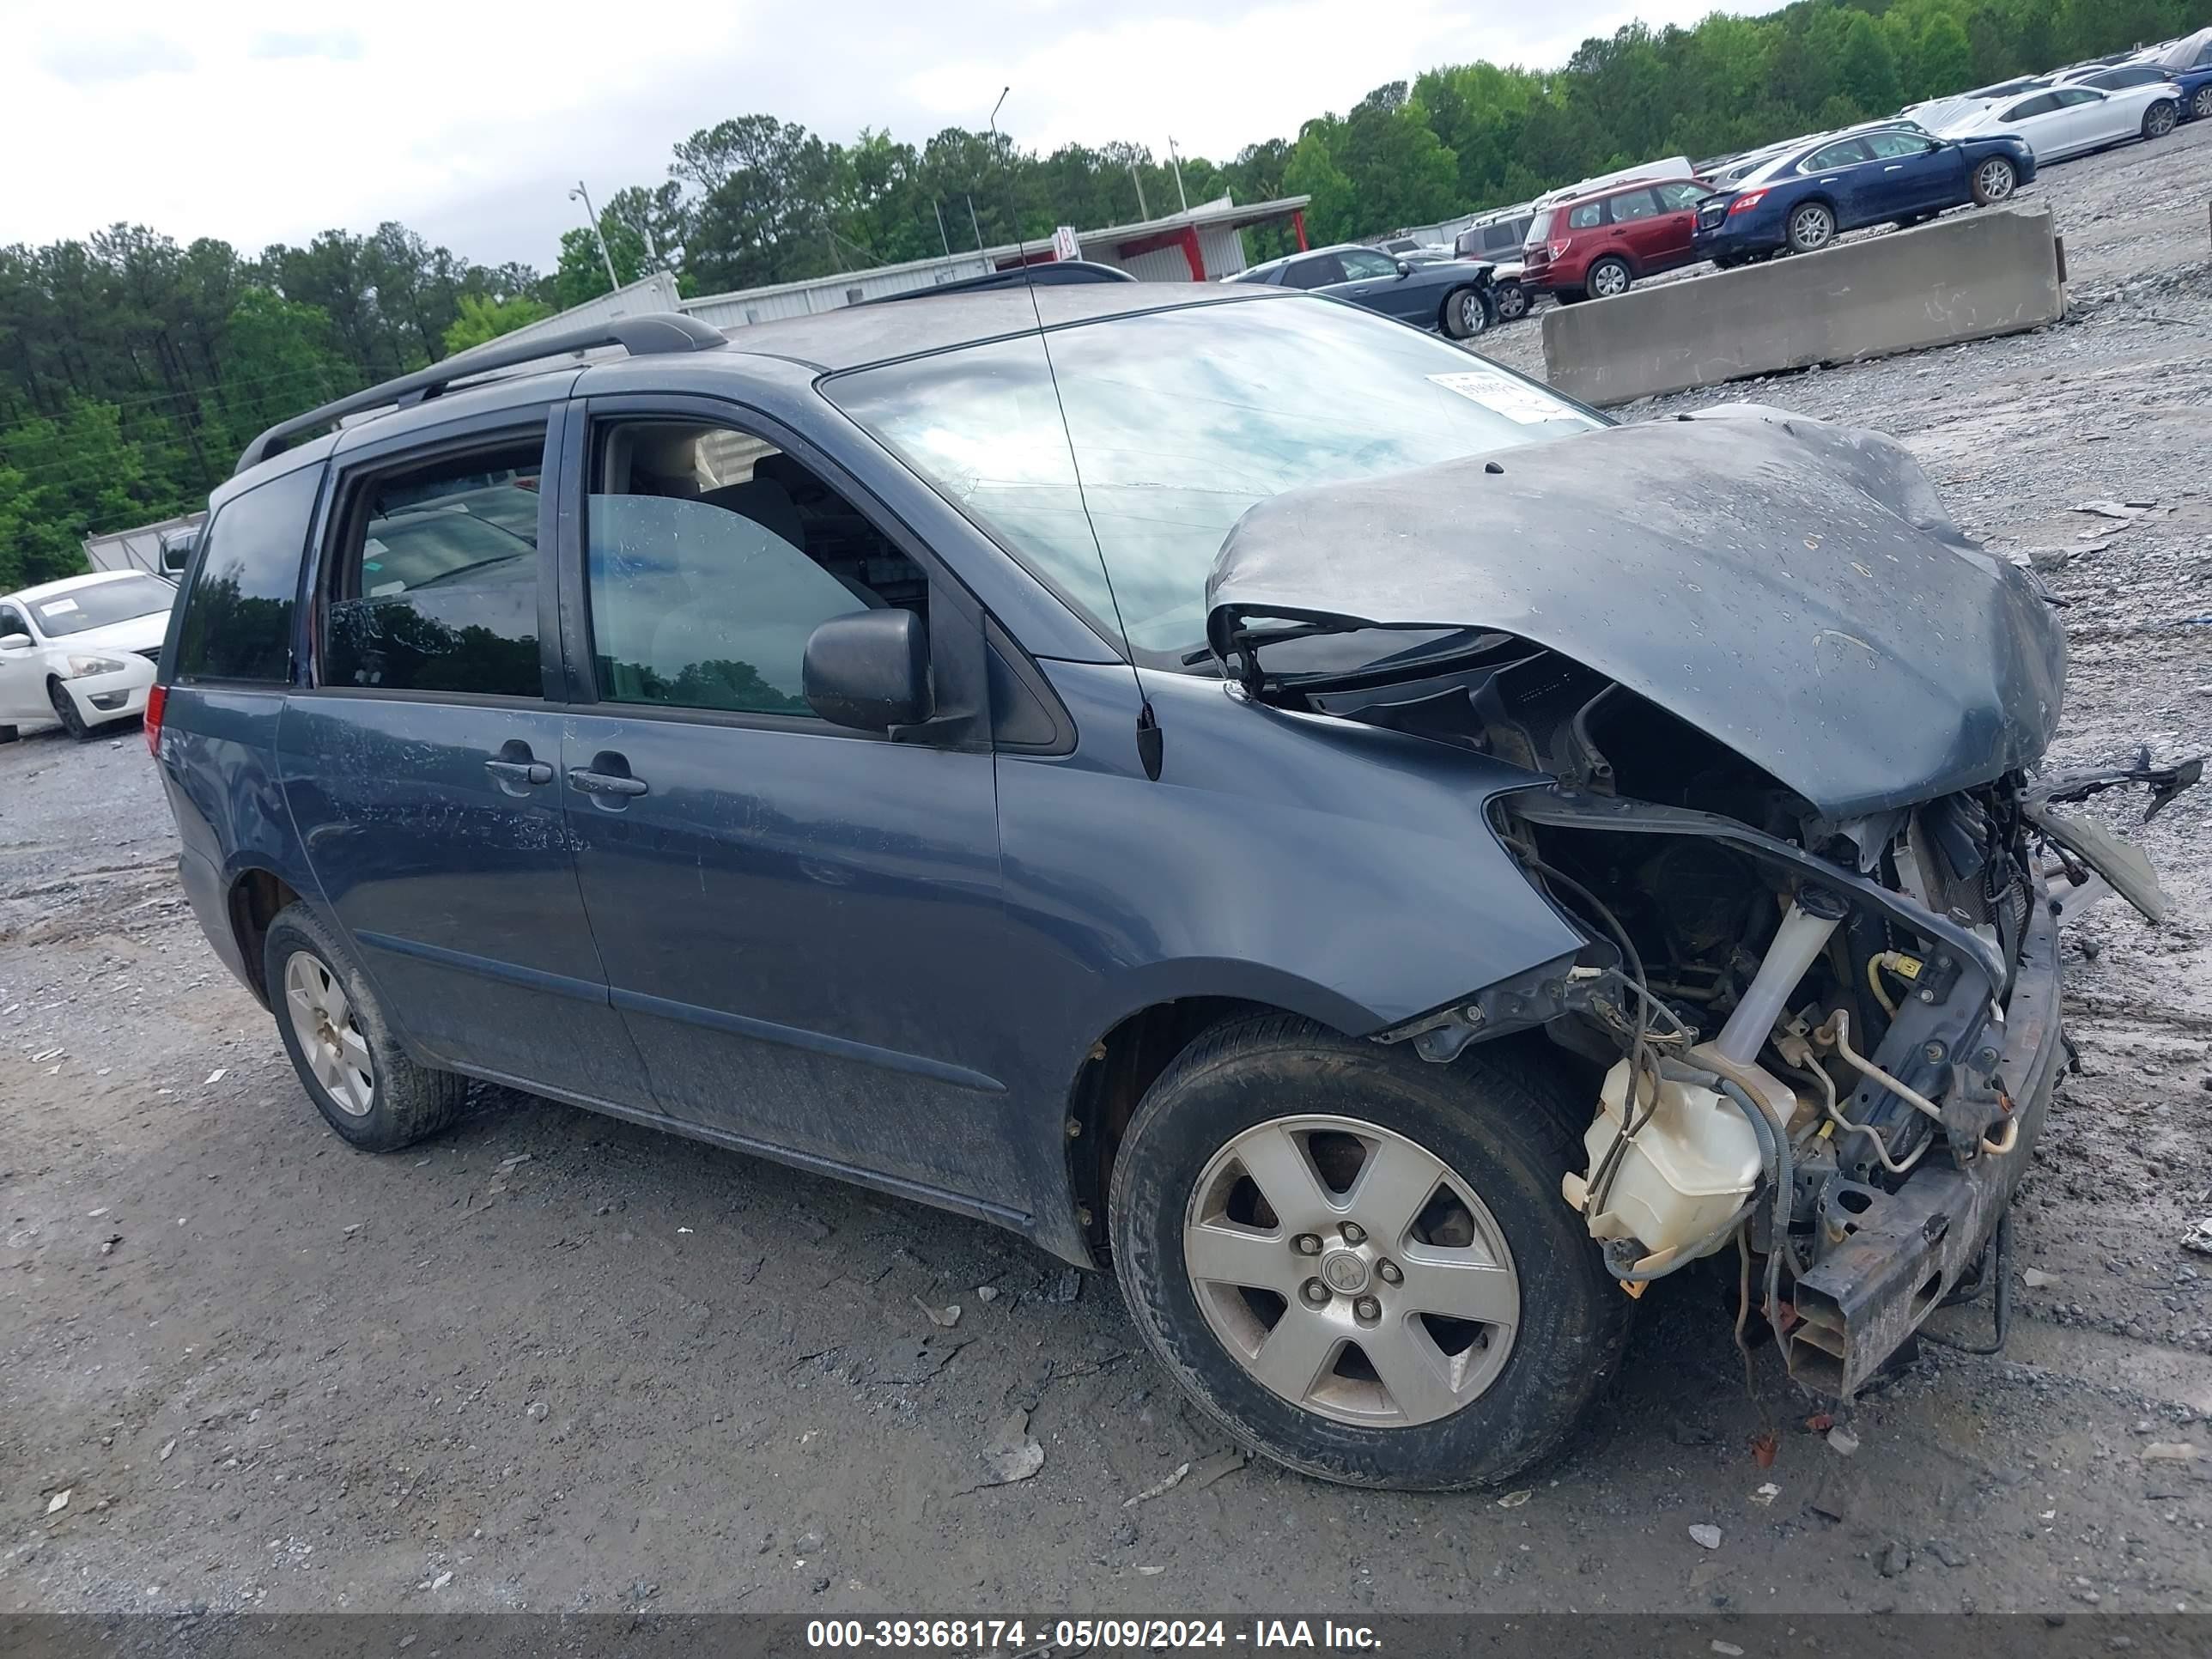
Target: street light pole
[1177, 161]
[579, 194]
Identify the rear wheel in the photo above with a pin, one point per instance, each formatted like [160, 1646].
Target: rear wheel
[1357, 1261]
[2159, 119]
[66, 711]
[1608, 278]
[1812, 228]
[334, 1028]
[1466, 313]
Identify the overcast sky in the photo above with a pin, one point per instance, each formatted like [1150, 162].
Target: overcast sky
[248, 120]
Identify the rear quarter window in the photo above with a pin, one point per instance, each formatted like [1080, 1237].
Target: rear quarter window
[237, 622]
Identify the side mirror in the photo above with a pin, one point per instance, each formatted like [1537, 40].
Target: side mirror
[869, 671]
[1405, 268]
[14, 643]
[175, 556]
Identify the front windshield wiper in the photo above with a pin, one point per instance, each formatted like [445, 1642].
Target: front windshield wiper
[463, 570]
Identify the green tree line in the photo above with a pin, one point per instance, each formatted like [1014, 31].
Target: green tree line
[132, 369]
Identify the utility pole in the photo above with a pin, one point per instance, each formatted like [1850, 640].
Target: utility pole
[1143, 212]
[1177, 161]
[973, 224]
[579, 194]
[941, 236]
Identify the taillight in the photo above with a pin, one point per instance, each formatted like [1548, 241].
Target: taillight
[1559, 248]
[155, 698]
[1745, 203]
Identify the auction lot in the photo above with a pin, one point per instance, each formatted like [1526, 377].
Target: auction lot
[551, 1361]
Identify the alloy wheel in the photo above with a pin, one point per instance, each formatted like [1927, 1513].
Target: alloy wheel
[323, 1021]
[1472, 318]
[1351, 1272]
[2159, 121]
[1995, 180]
[1608, 280]
[2201, 104]
[1811, 227]
[1512, 302]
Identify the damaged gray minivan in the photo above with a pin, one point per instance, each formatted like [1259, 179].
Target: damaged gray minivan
[1212, 779]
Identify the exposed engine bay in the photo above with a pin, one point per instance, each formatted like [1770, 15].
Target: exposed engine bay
[1820, 886]
[1825, 1044]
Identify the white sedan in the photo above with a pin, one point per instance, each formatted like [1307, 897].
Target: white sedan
[2071, 120]
[81, 650]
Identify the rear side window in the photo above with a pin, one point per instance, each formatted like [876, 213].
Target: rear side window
[433, 580]
[1589, 214]
[1318, 272]
[238, 621]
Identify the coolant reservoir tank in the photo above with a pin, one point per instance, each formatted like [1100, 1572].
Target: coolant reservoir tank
[1689, 1168]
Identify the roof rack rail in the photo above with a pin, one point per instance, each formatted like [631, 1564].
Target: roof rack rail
[648, 334]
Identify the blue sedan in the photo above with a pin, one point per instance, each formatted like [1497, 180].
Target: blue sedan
[1800, 201]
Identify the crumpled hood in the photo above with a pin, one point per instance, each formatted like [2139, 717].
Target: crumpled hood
[1790, 587]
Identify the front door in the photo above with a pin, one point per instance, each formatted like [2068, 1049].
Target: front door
[1917, 174]
[800, 923]
[22, 671]
[422, 771]
[1374, 280]
[1677, 224]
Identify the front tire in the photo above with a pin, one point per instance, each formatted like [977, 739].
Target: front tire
[1994, 180]
[1466, 312]
[334, 1028]
[1512, 302]
[1812, 228]
[1609, 277]
[1358, 1262]
[2160, 118]
[66, 711]
[2200, 104]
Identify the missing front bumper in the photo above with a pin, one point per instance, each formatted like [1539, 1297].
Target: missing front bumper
[1895, 1261]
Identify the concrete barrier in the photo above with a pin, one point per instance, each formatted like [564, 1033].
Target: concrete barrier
[1966, 276]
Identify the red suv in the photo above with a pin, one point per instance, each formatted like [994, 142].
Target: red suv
[1600, 243]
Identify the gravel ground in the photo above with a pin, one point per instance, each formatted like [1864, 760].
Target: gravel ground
[555, 1362]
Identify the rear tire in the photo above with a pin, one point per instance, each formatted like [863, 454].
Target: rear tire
[314, 984]
[1608, 278]
[1812, 227]
[66, 711]
[2160, 118]
[1485, 1395]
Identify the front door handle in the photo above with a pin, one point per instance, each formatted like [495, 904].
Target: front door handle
[589, 782]
[515, 771]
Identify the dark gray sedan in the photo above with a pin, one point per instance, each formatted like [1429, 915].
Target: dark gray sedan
[1452, 296]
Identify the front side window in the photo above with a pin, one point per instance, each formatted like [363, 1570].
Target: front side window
[1177, 421]
[238, 619]
[433, 583]
[1897, 146]
[1361, 265]
[11, 622]
[713, 556]
[2078, 95]
[97, 604]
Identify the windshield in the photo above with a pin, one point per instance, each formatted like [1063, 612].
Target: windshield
[97, 604]
[1177, 422]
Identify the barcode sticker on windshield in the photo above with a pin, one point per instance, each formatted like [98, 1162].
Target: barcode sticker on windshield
[1515, 401]
[58, 607]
